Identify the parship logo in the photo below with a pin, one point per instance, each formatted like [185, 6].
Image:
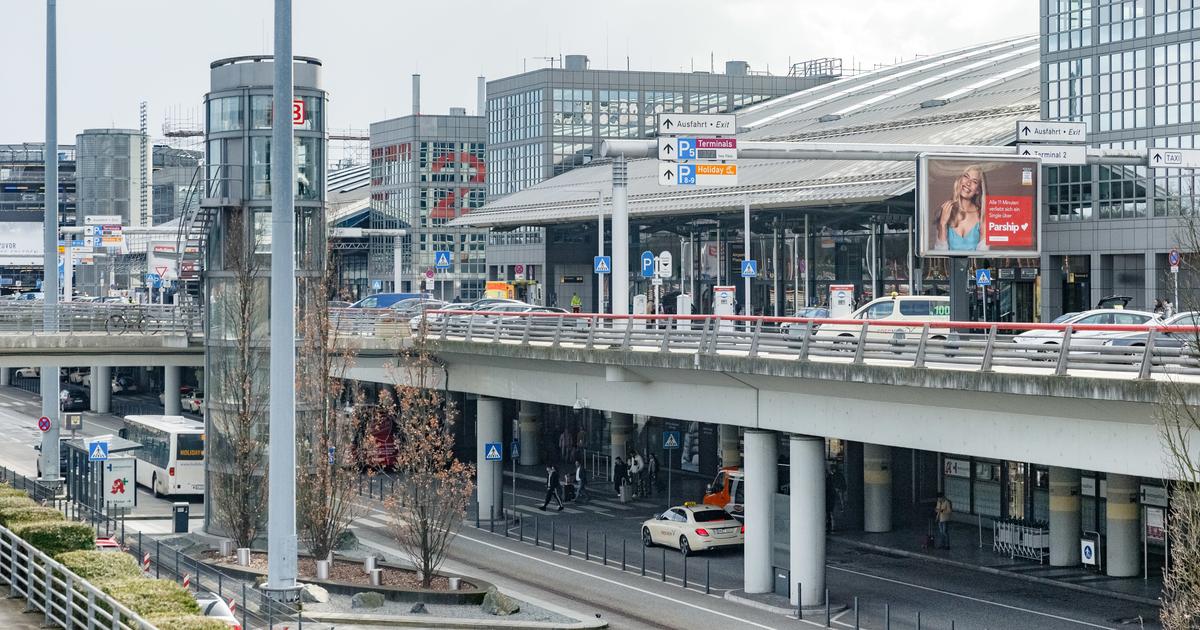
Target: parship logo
[1007, 227]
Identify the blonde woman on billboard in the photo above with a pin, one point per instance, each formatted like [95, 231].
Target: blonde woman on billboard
[960, 223]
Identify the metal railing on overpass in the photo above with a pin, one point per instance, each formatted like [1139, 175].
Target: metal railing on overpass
[108, 318]
[1141, 351]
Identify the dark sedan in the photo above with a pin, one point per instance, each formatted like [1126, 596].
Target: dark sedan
[72, 398]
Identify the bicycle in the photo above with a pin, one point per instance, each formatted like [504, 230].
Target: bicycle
[120, 323]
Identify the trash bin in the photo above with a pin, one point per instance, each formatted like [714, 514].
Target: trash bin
[180, 514]
[783, 581]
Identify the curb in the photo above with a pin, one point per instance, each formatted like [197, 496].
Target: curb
[1018, 576]
[427, 621]
[745, 600]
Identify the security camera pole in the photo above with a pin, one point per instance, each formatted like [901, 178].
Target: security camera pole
[281, 472]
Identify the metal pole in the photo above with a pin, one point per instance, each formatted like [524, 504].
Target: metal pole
[808, 264]
[746, 253]
[398, 264]
[281, 522]
[620, 237]
[911, 280]
[49, 372]
[775, 272]
[600, 250]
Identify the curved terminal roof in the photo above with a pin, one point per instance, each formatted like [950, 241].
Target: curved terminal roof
[972, 95]
[348, 194]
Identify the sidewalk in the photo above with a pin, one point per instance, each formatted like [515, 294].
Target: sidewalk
[965, 552]
[13, 617]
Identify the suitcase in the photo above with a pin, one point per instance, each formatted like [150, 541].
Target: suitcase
[928, 542]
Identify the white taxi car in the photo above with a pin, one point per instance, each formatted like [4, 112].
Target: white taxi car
[691, 527]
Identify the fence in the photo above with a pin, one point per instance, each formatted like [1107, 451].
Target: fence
[65, 599]
[111, 319]
[1138, 351]
[1021, 539]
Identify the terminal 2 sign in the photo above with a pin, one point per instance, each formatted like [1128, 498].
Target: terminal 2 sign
[978, 206]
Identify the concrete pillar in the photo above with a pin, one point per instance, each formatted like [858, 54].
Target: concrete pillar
[1123, 544]
[619, 427]
[807, 519]
[93, 397]
[853, 466]
[731, 455]
[171, 390]
[530, 422]
[1064, 517]
[102, 388]
[761, 464]
[877, 488]
[489, 476]
[5, 377]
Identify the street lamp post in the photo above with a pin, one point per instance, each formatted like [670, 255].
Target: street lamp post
[49, 372]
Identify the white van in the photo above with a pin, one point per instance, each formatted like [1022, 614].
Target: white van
[899, 308]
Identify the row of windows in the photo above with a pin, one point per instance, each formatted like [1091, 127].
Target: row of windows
[227, 113]
[1076, 193]
[1069, 23]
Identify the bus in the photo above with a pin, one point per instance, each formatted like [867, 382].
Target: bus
[171, 460]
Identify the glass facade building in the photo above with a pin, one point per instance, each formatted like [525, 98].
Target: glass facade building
[427, 170]
[1126, 68]
[22, 208]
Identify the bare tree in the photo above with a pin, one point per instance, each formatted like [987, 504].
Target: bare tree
[237, 401]
[434, 487]
[327, 457]
[1180, 425]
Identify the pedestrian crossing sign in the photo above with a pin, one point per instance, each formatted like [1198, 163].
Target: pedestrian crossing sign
[602, 264]
[670, 440]
[493, 452]
[750, 268]
[441, 259]
[98, 452]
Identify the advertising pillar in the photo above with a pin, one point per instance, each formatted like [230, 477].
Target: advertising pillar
[1124, 550]
[489, 429]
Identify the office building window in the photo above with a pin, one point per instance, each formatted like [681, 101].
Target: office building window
[1122, 189]
[1175, 189]
[1068, 24]
[1068, 90]
[1120, 20]
[1122, 91]
[1174, 94]
[225, 114]
[1069, 193]
[1175, 15]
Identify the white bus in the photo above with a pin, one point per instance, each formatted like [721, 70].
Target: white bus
[171, 460]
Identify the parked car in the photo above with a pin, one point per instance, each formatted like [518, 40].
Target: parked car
[1034, 338]
[28, 372]
[1161, 339]
[384, 300]
[338, 304]
[124, 384]
[690, 527]
[412, 306]
[901, 309]
[194, 402]
[415, 322]
[63, 455]
[72, 398]
[31, 296]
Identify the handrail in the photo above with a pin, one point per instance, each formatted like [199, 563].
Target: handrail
[110, 318]
[986, 347]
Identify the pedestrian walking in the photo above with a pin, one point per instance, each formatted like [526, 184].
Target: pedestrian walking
[636, 467]
[1159, 307]
[652, 472]
[580, 482]
[553, 485]
[942, 510]
[619, 472]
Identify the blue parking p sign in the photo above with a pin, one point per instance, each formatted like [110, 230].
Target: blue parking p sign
[647, 264]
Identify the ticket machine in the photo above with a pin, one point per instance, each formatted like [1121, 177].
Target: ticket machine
[725, 303]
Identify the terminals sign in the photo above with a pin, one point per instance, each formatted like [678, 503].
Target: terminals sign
[750, 268]
[493, 451]
[602, 264]
[441, 259]
[983, 277]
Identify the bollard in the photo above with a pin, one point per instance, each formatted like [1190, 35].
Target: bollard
[685, 571]
[605, 540]
[157, 557]
[504, 513]
[707, 574]
[799, 602]
[553, 536]
[537, 532]
[643, 560]
[492, 519]
[521, 530]
[664, 564]
[244, 605]
[587, 546]
[622, 554]
[918, 620]
[570, 537]
[887, 616]
[827, 610]
[951, 624]
[856, 614]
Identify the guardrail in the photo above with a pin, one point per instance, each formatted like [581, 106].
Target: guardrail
[1137, 351]
[65, 599]
[370, 322]
[112, 319]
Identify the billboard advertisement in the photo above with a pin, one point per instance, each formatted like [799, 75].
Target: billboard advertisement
[21, 240]
[979, 205]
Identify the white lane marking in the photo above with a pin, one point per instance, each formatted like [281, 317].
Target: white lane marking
[973, 599]
[622, 585]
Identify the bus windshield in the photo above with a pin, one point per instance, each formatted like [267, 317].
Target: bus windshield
[190, 447]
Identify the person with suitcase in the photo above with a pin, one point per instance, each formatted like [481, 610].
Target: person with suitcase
[942, 510]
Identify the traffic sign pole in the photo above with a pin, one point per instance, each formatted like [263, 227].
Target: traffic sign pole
[746, 255]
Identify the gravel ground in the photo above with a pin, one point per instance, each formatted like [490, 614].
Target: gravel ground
[528, 612]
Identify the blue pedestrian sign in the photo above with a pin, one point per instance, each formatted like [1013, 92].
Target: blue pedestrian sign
[750, 268]
[331, 452]
[670, 440]
[98, 452]
[602, 264]
[647, 264]
[441, 259]
[493, 451]
[983, 277]
[515, 448]
[377, 285]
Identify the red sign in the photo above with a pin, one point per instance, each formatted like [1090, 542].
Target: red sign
[429, 273]
[1009, 221]
[44, 424]
[519, 268]
[299, 114]
[716, 143]
[161, 271]
[118, 486]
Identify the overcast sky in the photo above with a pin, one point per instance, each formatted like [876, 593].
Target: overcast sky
[114, 53]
